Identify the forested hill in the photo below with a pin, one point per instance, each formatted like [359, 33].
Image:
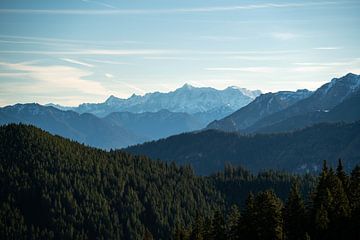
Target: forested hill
[52, 187]
[300, 151]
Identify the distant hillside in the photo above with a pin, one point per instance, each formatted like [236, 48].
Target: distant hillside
[264, 105]
[284, 111]
[346, 111]
[301, 151]
[84, 128]
[53, 188]
[155, 125]
[114, 131]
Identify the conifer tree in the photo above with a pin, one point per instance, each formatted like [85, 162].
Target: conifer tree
[341, 174]
[269, 216]
[218, 226]
[354, 196]
[233, 223]
[294, 215]
[248, 222]
[197, 232]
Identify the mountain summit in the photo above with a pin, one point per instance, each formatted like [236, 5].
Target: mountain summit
[285, 111]
[205, 102]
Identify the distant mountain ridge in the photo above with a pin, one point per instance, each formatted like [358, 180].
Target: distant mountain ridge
[264, 105]
[116, 130]
[210, 150]
[84, 128]
[207, 102]
[271, 109]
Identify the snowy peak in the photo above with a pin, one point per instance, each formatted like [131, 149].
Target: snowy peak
[264, 105]
[332, 93]
[188, 99]
[350, 82]
[250, 93]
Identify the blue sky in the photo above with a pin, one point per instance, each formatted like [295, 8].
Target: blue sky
[75, 51]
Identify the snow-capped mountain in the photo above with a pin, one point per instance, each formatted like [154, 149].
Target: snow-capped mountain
[187, 99]
[262, 106]
[324, 99]
[285, 109]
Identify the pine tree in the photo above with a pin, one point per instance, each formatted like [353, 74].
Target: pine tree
[218, 226]
[294, 215]
[321, 222]
[341, 174]
[197, 232]
[269, 216]
[354, 195]
[248, 222]
[233, 223]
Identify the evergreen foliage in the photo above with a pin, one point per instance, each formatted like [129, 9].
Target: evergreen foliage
[53, 188]
[330, 213]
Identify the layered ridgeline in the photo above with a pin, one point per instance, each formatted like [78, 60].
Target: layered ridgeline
[337, 100]
[52, 187]
[113, 131]
[119, 123]
[206, 103]
[300, 151]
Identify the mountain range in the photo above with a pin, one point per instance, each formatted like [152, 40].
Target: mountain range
[141, 118]
[119, 122]
[296, 124]
[118, 129]
[205, 103]
[275, 112]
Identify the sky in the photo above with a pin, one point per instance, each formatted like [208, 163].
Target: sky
[74, 51]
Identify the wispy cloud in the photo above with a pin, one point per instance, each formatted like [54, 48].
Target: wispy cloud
[170, 10]
[244, 69]
[108, 75]
[94, 52]
[307, 69]
[56, 77]
[69, 60]
[324, 64]
[59, 41]
[100, 3]
[107, 62]
[327, 48]
[222, 38]
[284, 35]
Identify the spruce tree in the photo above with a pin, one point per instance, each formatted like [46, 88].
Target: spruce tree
[269, 216]
[341, 174]
[354, 195]
[248, 228]
[233, 223]
[294, 215]
[218, 226]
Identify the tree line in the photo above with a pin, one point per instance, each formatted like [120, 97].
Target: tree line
[54, 188]
[331, 212]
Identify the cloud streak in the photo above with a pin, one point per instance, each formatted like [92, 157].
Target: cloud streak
[284, 36]
[244, 69]
[56, 78]
[69, 60]
[100, 3]
[169, 10]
